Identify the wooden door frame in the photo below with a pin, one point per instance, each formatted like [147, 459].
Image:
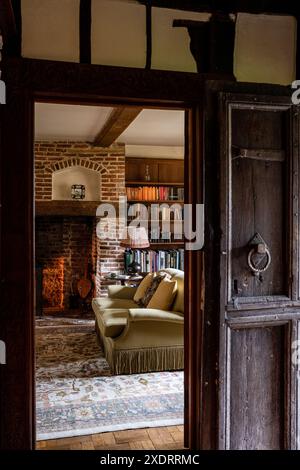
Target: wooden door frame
[30, 80]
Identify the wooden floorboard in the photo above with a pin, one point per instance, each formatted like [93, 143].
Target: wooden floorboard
[164, 438]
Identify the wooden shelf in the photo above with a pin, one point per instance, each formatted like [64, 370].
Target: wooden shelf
[160, 170]
[149, 221]
[143, 201]
[66, 208]
[166, 245]
[152, 183]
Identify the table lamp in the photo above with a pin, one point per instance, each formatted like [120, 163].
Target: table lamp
[137, 238]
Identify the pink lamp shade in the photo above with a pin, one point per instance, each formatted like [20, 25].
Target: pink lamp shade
[137, 237]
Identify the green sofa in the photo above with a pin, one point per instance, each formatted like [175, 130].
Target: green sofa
[135, 339]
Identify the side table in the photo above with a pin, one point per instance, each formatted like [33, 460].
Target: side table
[125, 280]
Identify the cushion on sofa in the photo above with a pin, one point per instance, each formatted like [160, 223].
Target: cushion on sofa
[121, 292]
[178, 305]
[111, 322]
[164, 295]
[142, 288]
[152, 289]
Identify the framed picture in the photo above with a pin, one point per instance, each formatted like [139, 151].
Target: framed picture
[78, 191]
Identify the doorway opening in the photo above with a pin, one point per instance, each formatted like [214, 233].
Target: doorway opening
[109, 289]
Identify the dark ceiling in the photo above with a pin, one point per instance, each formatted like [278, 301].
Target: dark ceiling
[229, 6]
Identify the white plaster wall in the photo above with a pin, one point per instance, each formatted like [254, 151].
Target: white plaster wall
[50, 29]
[171, 46]
[62, 180]
[118, 33]
[154, 151]
[265, 49]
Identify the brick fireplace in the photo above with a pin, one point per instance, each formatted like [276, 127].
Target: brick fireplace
[66, 241]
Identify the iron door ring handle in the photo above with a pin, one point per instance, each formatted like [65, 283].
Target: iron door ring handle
[251, 265]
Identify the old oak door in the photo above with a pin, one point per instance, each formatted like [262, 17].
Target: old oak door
[255, 268]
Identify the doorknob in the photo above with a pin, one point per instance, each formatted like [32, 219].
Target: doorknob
[259, 256]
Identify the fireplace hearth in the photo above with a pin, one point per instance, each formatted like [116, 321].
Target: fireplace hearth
[64, 249]
[66, 242]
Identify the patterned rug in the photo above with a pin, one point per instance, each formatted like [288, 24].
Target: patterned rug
[76, 394]
[49, 323]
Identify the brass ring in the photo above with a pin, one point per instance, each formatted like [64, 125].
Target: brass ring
[259, 270]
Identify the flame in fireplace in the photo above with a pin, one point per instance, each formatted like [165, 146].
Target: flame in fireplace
[53, 285]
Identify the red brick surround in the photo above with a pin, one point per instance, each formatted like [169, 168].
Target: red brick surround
[65, 240]
[54, 156]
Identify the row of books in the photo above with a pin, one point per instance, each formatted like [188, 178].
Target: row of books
[152, 261]
[154, 193]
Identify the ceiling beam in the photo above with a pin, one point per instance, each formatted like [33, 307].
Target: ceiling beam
[116, 124]
[7, 19]
[85, 22]
[230, 6]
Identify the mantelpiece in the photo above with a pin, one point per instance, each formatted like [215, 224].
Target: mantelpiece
[66, 208]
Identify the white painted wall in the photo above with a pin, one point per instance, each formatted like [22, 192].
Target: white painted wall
[50, 29]
[265, 48]
[171, 46]
[118, 33]
[155, 151]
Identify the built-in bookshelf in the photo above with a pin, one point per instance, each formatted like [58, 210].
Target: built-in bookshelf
[156, 188]
[155, 260]
[147, 193]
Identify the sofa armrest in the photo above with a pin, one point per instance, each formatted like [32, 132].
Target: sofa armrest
[153, 314]
[121, 292]
[151, 328]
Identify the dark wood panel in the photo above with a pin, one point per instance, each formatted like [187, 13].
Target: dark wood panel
[260, 129]
[148, 36]
[259, 201]
[101, 84]
[257, 207]
[17, 280]
[7, 20]
[230, 6]
[85, 22]
[254, 360]
[171, 171]
[72, 208]
[161, 170]
[257, 389]
[199, 398]
[135, 169]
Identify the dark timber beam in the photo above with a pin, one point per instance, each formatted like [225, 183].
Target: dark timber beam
[148, 36]
[85, 22]
[298, 48]
[7, 19]
[228, 6]
[116, 124]
[11, 27]
[212, 42]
